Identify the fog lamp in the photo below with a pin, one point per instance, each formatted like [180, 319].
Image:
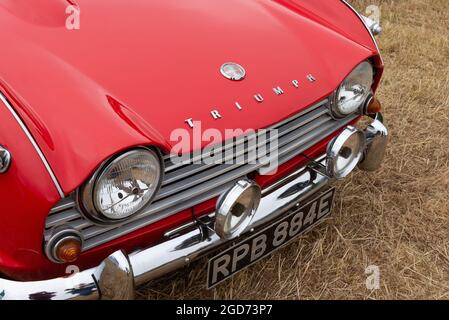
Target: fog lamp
[236, 208]
[345, 152]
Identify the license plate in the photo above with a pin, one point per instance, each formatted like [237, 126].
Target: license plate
[265, 242]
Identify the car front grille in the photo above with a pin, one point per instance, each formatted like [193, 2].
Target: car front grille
[186, 185]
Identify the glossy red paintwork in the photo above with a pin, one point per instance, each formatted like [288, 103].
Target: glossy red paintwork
[27, 192]
[133, 73]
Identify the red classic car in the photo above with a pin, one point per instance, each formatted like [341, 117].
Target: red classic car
[99, 193]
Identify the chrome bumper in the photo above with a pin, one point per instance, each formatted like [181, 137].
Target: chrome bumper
[117, 276]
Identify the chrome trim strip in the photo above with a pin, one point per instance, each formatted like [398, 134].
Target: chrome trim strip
[63, 204]
[58, 219]
[33, 142]
[367, 28]
[179, 230]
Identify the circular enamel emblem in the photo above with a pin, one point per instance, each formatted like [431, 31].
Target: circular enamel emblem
[233, 71]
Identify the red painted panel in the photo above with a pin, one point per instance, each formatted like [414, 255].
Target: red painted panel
[133, 73]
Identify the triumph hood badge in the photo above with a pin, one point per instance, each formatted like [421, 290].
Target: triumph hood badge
[233, 71]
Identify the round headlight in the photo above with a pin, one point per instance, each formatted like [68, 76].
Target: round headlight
[354, 90]
[345, 152]
[123, 186]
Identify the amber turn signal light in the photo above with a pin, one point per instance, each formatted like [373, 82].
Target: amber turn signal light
[374, 106]
[68, 249]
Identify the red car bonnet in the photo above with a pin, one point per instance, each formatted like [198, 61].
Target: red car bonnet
[136, 70]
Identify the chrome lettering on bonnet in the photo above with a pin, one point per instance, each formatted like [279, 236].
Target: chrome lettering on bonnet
[311, 78]
[258, 97]
[234, 71]
[215, 114]
[295, 83]
[190, 122]
[278, 90]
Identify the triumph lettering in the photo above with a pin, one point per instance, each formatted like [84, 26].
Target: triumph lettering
[278, 90]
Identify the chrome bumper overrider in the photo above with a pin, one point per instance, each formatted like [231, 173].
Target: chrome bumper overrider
[117, 276]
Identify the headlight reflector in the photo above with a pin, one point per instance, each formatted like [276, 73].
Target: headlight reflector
[354, 90]
[123, 186]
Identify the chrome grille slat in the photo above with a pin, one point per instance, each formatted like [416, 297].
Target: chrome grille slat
[295, 124]
[198, 157]
[292, 152]
[64, 204]
[194, 180]
[222, 169]
[79, 223]
[184, 172]
[314, 136]
[302, 113]
[208, 174]
[95, 231]
[306, 131]
[62, 217]
[186, 185]
[198, 189]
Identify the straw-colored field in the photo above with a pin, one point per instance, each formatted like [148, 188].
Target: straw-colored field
[396, 219]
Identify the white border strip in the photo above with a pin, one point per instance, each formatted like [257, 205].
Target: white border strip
[367, 28]
[33, 142]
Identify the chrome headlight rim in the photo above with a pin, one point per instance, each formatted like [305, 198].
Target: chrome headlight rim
[227, 201]
[85, 194]
[59, 234]
[335, 147]
[335, 104]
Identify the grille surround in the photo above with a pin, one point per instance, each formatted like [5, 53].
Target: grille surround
[186, 185]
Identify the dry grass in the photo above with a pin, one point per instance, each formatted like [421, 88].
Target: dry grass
[398, 218]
